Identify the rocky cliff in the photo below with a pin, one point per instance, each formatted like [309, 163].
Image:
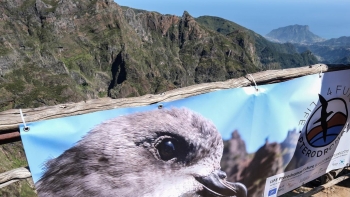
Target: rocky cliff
[54, 51]
[253, 169]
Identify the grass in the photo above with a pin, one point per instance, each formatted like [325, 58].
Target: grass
[11, 157]
[32, 86]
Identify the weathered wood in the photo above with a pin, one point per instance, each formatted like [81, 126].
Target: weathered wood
[12, 176]
[325, 186]
[10, 119]
[10, 135]
[8, 183]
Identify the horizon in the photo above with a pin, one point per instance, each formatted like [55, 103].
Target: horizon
[327, 19]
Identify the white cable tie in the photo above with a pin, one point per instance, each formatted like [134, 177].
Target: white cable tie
[26, 128]
[319, 74]
[256, 87]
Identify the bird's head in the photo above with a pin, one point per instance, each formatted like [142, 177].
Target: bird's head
[156, 153]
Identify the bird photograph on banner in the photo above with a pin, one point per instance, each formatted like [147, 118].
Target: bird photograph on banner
[163, 152]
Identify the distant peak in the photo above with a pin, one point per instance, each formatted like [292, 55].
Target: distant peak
[186, 14]
[235, 135]
[294, 34]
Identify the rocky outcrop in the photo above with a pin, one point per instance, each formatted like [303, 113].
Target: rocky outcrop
[266, 162]
[253, 169]
[235, 157]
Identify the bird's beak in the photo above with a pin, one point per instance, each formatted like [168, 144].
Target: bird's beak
[215, 184]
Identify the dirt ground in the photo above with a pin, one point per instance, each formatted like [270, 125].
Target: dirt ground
[341, 189]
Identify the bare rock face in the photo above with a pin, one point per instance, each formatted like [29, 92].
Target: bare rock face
[251, 169]
[266, 162]
[235, 158]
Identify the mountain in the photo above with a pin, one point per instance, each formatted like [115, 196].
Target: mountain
[270, 55]
[332, 51]
[253, 169]
[344, 60]
[343, 41]
[66, 51]
[294, 34]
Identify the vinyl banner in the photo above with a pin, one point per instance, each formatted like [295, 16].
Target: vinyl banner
[235, 142]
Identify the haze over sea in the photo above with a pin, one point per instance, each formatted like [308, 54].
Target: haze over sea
[326, 18]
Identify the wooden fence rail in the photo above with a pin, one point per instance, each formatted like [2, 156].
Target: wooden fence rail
[10, 119]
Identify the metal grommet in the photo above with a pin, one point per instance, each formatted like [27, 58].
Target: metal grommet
[26, 129]
[160, 106]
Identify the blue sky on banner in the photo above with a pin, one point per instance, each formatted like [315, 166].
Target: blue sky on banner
[326, 18]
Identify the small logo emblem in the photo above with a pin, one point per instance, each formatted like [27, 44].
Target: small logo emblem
[272, 191]
[324, 125]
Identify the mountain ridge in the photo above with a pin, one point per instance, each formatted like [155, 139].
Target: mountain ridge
[331, 51]
[78, 50]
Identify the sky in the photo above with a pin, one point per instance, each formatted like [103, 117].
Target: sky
[326, 18]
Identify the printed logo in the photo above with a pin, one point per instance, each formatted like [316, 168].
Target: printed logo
[324, 127]
[272, 191]
[327, 122]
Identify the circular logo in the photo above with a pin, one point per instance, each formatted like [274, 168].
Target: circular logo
[326, 122]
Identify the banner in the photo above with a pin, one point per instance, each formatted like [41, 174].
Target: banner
[235, 142]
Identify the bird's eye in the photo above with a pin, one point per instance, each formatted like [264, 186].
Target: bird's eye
[167, 149]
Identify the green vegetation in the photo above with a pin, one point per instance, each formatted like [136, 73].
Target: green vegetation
[4, 51]
[11, 157]
[219, 24]
[34, 86]
[271, 55]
